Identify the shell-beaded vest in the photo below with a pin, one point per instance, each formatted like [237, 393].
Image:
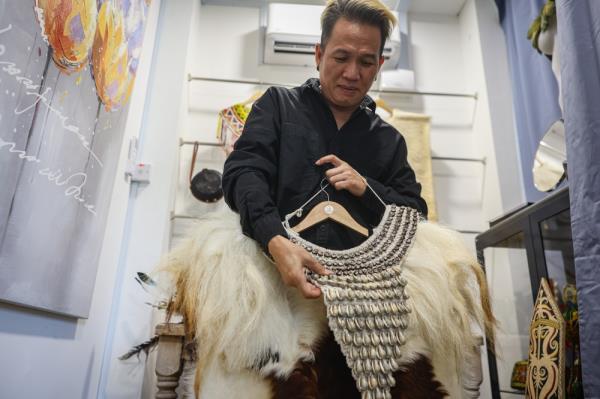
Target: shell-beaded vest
[365, 298]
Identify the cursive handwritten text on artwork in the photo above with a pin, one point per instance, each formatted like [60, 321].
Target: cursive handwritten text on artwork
[56, 177]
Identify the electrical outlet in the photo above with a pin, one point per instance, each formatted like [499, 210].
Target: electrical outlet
[139, 173]
[136, 172]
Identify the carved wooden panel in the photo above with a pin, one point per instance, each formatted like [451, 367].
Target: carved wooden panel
[546, 366]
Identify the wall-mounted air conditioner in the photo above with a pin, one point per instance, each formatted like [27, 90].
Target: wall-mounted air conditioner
[293, 30]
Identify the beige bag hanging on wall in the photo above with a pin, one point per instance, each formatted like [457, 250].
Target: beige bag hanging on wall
[415, 130]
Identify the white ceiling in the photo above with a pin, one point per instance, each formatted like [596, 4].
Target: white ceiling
[445, 7]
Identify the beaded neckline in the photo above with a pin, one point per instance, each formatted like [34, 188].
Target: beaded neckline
[361, 246]
[386, 247]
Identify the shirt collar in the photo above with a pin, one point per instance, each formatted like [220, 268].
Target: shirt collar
[315, 85]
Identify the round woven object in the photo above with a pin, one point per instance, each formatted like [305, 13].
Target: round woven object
[206, 186]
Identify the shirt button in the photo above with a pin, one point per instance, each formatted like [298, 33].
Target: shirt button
[322, 234]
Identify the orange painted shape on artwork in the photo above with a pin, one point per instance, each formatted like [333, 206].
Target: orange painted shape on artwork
[109, 58]
[69, 27]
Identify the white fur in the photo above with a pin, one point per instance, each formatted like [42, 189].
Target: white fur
[242, 309]
[220, 382]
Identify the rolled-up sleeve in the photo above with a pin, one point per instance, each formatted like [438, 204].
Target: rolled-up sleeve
[250, 172]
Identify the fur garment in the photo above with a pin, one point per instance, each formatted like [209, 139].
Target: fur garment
[251, 328]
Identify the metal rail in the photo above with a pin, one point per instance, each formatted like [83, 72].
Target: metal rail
[264, 83]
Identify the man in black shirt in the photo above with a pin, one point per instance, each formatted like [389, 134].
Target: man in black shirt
[325, 128]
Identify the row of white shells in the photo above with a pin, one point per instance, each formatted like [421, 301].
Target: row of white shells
[343, 294]
[369, 323]
[366, 309]
[370, 338]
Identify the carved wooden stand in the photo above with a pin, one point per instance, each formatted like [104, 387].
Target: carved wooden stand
[169, 359]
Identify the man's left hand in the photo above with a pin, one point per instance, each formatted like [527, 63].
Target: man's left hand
[343, 176]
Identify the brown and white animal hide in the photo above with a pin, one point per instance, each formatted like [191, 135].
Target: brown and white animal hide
[329, 377]
[252, 330]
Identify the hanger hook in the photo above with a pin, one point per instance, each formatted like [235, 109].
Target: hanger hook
[323, 187]
[298, 212]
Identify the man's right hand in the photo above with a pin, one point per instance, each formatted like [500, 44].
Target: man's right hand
[291, 259]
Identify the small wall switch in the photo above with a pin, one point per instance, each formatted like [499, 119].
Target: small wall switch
[139, 173]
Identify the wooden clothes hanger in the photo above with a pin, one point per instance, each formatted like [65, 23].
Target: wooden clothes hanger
[330, 210]
[325, 210]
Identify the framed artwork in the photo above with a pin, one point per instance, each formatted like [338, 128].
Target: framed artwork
[67, 70]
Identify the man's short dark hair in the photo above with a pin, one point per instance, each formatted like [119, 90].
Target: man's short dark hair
[369, 12]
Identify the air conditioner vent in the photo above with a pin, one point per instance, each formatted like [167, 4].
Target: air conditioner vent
[293, 30]
[293, 47]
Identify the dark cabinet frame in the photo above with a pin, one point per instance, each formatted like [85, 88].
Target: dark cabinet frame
[527, 221]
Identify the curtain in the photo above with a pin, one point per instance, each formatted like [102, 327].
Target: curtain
[534, 87]
[579, 38]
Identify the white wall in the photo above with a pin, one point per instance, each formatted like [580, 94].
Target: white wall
[148, 228]
[439, 66]
[47, 356]
[487, 70]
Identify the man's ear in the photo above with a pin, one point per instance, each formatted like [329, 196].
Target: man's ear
[381, 59]
[318, 54]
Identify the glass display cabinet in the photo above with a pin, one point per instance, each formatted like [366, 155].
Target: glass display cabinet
[516, 252]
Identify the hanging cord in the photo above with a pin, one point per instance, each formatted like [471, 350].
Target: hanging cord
[374, 192]
[298, 212]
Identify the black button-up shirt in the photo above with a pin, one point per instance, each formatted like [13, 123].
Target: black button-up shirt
[272, 170]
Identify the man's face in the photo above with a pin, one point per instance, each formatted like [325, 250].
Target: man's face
[349, 63]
